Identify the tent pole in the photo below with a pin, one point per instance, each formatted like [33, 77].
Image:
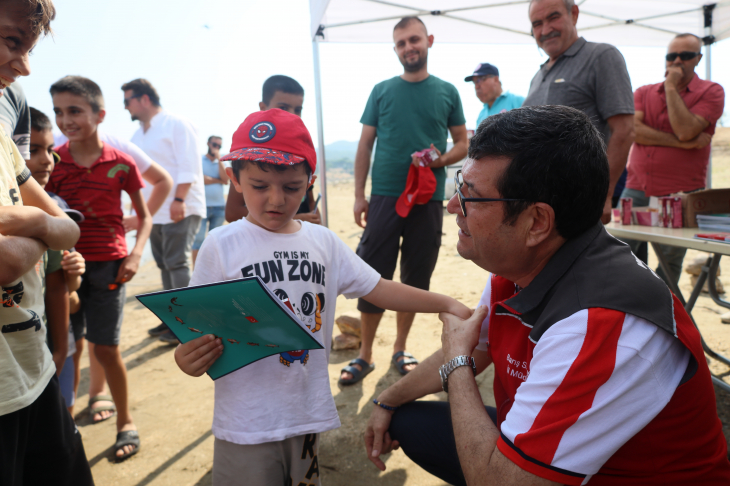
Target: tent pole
[320, 132]
[708, 40]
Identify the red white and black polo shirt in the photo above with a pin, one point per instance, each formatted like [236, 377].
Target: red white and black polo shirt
[96, 191]
[599, 373]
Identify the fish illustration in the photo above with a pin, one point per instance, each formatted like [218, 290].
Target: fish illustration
[272, 346]
[253, 344]
[169, 307]
[195, 330]
[232, 341]
[174, 302]
[179, 320]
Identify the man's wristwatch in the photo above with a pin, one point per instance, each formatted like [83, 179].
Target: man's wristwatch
[179, 199]
[447, 368]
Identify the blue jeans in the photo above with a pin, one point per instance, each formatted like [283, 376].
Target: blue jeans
[216, 217]
[674, 255]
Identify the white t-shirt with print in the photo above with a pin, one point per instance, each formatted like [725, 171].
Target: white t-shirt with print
[26, 365]
[286, 394]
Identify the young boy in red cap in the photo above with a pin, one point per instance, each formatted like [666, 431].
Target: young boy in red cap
[268, 415]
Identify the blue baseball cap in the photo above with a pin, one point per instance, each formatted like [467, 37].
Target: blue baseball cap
[483, 69]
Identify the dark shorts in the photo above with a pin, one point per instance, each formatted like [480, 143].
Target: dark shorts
[102, 308]
[421, 233]
[40, 444]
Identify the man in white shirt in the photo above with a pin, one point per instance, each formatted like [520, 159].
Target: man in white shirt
[173, 143]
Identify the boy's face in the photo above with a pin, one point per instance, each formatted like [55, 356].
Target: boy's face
[41, 161]
[16, 42]
[285, 101]
[74, 116]
[272, 197]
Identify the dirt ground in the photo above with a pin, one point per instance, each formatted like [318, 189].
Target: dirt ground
[174, 412]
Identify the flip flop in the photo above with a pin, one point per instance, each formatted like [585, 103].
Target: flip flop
[407, 359]
[125, 438]
[102, 408]
[357, 374]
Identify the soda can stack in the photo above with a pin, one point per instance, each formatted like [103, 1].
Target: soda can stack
[427, 156]
[627, 205]
[671, 215]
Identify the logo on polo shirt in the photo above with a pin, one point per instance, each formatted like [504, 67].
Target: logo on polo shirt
[262, 132]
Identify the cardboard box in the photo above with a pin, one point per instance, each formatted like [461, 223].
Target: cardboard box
[708, 201]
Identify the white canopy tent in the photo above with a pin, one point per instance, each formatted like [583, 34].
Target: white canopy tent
[618, 22]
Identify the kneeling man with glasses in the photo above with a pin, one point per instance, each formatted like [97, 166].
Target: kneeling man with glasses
[599, 373]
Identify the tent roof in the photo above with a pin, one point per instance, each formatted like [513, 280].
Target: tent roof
[619, 22]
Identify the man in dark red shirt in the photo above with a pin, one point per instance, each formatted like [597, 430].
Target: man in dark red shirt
[675, 121]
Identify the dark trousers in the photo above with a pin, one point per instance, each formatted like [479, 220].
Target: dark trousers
[425, 433]
[40, 444]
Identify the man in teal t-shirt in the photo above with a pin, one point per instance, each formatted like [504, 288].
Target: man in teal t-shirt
[406, 114]
[488, 89]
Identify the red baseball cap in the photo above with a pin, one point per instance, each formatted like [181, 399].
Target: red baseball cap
[275, 137]
[420, 186]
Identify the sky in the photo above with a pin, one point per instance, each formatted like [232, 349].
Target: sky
[209, 59]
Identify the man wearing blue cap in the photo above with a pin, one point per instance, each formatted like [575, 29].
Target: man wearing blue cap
[488, 88]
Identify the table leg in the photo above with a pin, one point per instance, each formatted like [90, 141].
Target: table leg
[711, 272]
[669, 274]
[713, 265]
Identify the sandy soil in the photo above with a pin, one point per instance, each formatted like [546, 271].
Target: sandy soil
[174, 412]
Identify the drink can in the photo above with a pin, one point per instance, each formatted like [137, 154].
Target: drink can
[627, 205]
[676, 212]
[665, 212]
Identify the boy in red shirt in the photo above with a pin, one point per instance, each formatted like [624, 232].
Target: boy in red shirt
[90, 177]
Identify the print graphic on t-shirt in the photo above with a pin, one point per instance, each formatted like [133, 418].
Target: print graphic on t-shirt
[294, 266]
[34, 321]
[518, 369]
[13, 295]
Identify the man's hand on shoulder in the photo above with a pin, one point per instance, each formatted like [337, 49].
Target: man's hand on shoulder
[361, 211]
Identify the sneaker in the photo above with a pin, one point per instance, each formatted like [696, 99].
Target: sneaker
[169, 338]
[159, 330]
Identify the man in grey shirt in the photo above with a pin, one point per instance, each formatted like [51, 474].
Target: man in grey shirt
[584, 75]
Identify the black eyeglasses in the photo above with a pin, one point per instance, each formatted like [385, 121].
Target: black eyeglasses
[459, 181]
[215, 145]
[128, 100]
[684, 55]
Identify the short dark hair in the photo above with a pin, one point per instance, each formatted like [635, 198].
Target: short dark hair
[39, 13]
[406, 21]
[688, 34]
[141, 87]
[80, 86]
[282, 83]
[558, 158]
[238, 165]
[39, 121]
[212, 137]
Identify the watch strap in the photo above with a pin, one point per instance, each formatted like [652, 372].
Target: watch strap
[446, 369]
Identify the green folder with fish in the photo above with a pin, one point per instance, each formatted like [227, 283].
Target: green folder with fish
[250, 319]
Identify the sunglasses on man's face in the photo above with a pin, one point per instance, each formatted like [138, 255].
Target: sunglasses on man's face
[684, 55]
[215, 145]
[459, 182]
[127, 101]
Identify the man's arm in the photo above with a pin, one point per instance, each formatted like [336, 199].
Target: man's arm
[685, 124]
[474, 432]
[362, 167]
[457, 152]
[235, 205]
[189, 169]
[617, 151]
[20, 254]
[177, 208]
[57, 312]
[32, 222]
[161, 185]
[646, 135]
